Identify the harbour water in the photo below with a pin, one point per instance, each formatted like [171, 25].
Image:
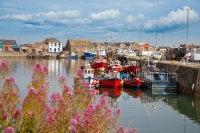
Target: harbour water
[148, 113]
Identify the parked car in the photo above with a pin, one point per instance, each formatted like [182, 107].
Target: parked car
[176, 53]
[157, 55]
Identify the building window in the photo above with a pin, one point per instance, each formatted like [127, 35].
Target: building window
[50, 49]
[55, 45]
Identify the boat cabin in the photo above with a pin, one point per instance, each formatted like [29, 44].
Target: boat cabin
[112, 75]
[115, 62]
[131, 63]
[88, 72]
[100, 60]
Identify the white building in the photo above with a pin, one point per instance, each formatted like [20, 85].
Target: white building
[54, 45]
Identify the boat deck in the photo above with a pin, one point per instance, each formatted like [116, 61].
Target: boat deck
[159, 80]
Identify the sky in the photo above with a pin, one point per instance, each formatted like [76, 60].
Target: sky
[158, 22]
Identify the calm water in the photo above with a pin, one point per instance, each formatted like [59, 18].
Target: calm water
[140, 109]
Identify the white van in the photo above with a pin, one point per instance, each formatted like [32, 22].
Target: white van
[195, 54]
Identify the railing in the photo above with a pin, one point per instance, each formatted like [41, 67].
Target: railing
[150, 75]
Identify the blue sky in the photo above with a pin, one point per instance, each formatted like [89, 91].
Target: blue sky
[30, 21]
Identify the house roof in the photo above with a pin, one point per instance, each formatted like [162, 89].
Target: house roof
[50, 40]
[37, 44]
[8, 42]
[145, 45]
[80, 42]
[164, 47]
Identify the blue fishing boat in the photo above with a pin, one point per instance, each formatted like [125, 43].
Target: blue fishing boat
[90, 55]
[73, 55]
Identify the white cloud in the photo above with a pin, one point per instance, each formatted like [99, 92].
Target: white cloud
[57, 15]
[16, 17]
[173, 19]
[108, 14]
[132, 19]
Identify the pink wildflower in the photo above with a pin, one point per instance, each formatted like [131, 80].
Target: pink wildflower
[48, 108]
[93, 92]
[109, 111]
[45, 70]
[72, 129]
[9, 129]
[74, 122]
[32, 90]
[86, 121]
[118, 111]
[40, 98]
[98, 106]
[17, 113]
[51, 118]
[69, 93]
[4, 64]
[62, 79]
[87, 85]
[62, 100]
[1, 104]
[77, 116]
[5, 115]
[102, 101]
[121, 129]
[38, 66]
[54, 97]
[55, 110]
[65, 88]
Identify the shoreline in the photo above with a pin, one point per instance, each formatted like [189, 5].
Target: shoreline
[20, 54]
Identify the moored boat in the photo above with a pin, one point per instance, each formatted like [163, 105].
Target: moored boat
[114, 64]
[130, 67]
[73, 55]
[99, 64]
[88, 74]
[111, 79]
[158, 79]
[90, 55]
[133, 82]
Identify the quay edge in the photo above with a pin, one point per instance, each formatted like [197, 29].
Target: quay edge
[188, 76]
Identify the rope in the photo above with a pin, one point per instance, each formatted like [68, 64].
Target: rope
[188, 70]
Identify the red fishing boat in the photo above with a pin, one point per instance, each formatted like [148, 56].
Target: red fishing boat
[130, 67]
[99, 64]
[111, 79]
[114, 64]
[133, 82]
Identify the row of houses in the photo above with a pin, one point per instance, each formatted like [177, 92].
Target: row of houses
[49, 45]
[53, 45]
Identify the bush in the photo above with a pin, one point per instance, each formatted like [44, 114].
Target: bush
[72, 111]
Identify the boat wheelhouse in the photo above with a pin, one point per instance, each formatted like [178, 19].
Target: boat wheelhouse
[131, 67]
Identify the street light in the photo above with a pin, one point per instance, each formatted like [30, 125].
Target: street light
[187, 31]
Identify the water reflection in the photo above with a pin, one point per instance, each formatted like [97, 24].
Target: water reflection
[148, 112]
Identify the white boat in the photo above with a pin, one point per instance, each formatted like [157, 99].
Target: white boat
[130, 53]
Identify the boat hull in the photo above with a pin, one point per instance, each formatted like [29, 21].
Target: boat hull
[130, 69]
[136, 82]
[72, 57]
[89, 55]
[110, 83]
[99, 65]
[113, 68]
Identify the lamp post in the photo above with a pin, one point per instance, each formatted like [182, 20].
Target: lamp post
[187, 32]
[156, 34]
